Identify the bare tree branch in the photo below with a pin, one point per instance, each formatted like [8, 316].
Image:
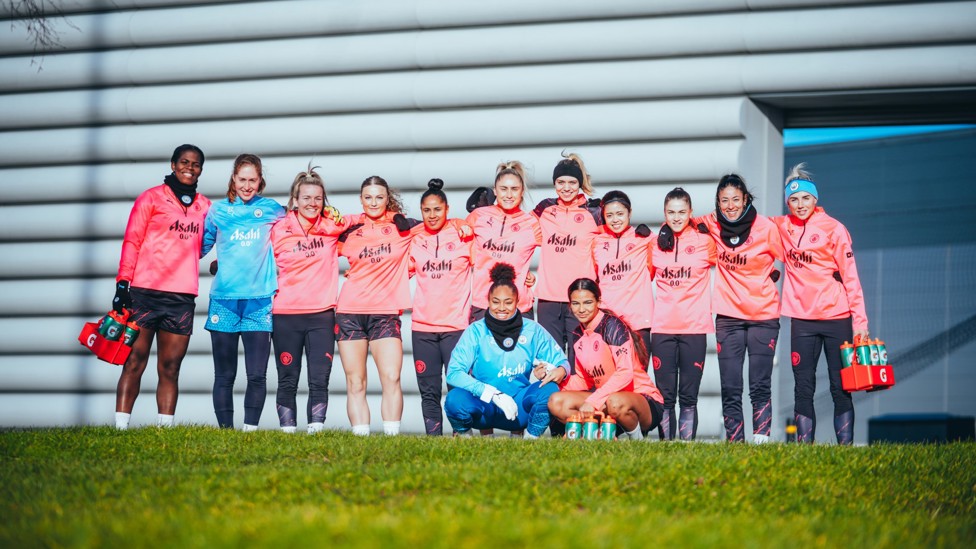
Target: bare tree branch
[40, 27]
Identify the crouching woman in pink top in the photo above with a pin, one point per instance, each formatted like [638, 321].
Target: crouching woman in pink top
[609, 376]
[823, 297]
[681, 261]
[305, 250]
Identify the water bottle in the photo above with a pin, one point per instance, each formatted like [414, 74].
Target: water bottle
[574, 427]
[847, 354]
[591, 428]
[608, 428]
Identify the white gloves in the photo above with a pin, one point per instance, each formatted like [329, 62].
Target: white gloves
[507, 404]
[503, 401]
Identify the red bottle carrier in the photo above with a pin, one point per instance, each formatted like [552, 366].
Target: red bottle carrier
[112, 351]
[866, 377]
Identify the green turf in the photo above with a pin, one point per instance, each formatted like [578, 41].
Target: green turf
[199, 487]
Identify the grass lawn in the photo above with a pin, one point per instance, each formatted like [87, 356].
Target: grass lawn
[200, 487]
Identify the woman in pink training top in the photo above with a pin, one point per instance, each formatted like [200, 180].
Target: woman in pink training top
[504, 233]
[623, 258]
[375, 293]
[569, 224]
[440, 259]
[305, 251]
[682, 261]
[822, 295]
[158, 281]
[610, 377]
[746, 304]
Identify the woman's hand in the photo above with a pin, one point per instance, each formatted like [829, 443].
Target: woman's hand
[465, 231]
[860, 334]
[529, 280]
[556, 375]
[586, 409]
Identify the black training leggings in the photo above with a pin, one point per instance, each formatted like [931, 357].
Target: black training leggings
[313, 333]
[560, 322]
[257, 349]
[431, 354]
[734, 337]
[807, 339]
[679, 360]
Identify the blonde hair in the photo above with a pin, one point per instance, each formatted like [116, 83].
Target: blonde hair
[513, 167]
[242, 160]
[586, 186]
[798, 172]
[393, 201]
[308, 177]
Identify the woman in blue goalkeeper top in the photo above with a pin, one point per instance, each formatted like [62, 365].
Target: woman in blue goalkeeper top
[492, 364]
[242, 291]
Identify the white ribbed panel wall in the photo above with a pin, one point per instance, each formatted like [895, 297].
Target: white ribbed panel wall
[652, 94]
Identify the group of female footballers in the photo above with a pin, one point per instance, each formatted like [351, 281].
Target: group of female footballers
[620, 327]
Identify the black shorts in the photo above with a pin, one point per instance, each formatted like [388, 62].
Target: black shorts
[657, 412]
[166, 311]
[354, 327]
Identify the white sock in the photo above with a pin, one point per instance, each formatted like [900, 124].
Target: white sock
[249, 428]
[316, 427]
[391, 428]
[361, 430]
[163, 420]
[291, 429]
[528, 436]
[635, 434]
[122, 420]
[759, 439]
[465, 434]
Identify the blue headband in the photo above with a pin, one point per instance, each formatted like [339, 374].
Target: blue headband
[800, 186]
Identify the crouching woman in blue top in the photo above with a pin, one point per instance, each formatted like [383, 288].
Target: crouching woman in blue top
[491, 367]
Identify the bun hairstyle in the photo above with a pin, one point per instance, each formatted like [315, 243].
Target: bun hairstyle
[616, 196]
[734, 180]
[393, 201]
[434, 187]
[572, 165]
[308, 177]
[590, 285]
[677, 193]
[242, 160]
[502, 274]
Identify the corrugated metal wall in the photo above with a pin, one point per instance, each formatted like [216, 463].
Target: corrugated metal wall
[652, 94]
